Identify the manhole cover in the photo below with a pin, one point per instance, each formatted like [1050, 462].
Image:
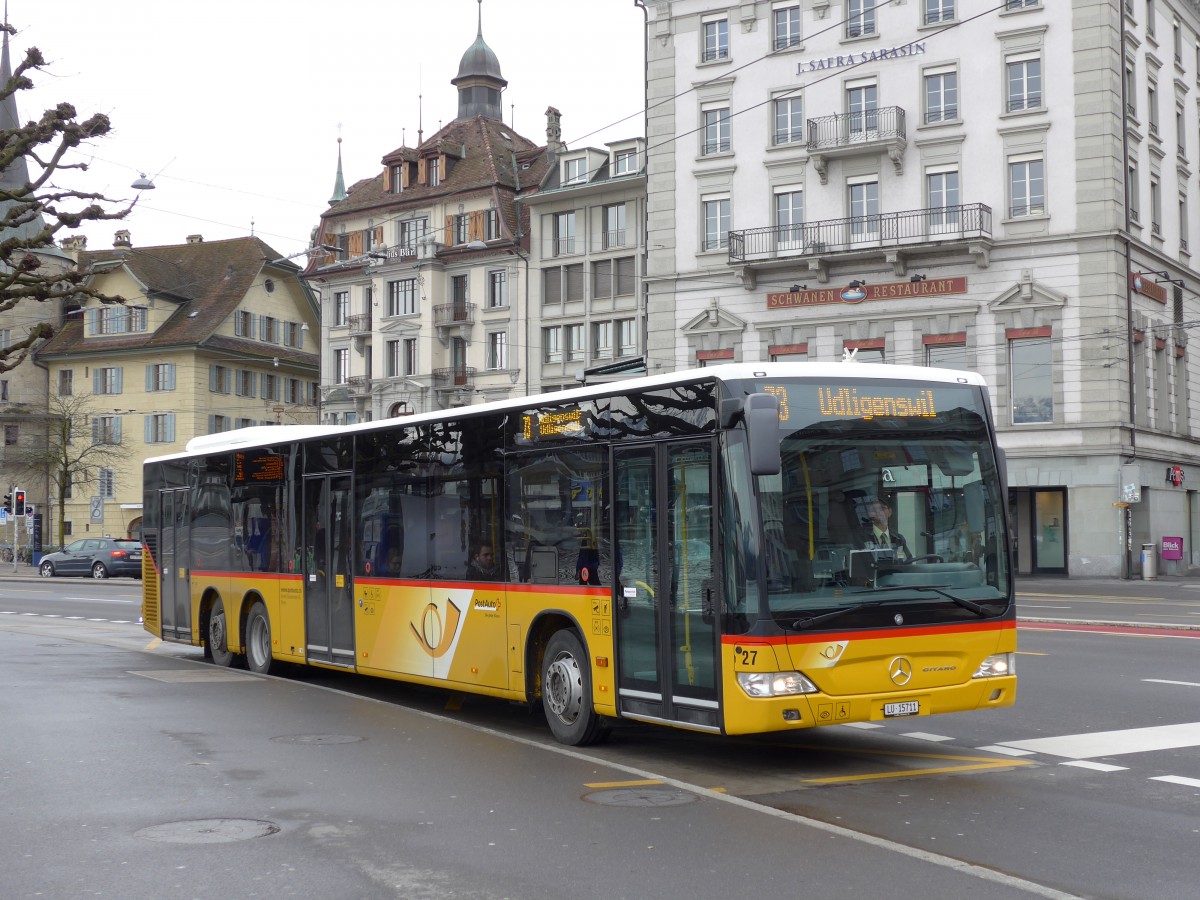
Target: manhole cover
[317, 739]
[208, 831]
[641, 797]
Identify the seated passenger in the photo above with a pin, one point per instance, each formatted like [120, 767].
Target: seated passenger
[482, 565]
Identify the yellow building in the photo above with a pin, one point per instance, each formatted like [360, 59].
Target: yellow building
[212, 336]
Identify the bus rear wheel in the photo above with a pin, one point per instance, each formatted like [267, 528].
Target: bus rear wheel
[258, 639]
[567, 692]
[218, 636]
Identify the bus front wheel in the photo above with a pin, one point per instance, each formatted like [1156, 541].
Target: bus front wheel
[218, 636]
[567, 692]
[258, 639]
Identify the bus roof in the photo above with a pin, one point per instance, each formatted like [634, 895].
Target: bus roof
[268, 435]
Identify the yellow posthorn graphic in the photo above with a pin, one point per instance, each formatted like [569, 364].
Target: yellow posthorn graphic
[435, 637]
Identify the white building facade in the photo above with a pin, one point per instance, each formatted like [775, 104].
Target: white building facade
[1005, 187]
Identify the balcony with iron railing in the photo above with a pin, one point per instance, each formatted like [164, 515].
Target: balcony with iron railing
[446, 315]
[454, 378]
[360, 323]
[358, 384]
[858, 133]
[857, 234]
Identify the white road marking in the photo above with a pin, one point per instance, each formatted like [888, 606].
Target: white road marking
[1115, 743]
[1095, 766]
[1165, 681]
[865, 726]
[926, 736]
[1007, 751]
[1178, 779]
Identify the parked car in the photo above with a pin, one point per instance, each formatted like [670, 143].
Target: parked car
[98, 557]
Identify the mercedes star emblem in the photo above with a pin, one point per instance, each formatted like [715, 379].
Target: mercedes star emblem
[900, 671]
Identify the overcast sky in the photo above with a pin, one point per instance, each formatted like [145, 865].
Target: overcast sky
[234, 107]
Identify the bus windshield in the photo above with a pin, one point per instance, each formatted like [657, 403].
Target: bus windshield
[887, 509]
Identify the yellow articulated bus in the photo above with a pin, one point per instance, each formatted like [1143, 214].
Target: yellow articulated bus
[736, 550]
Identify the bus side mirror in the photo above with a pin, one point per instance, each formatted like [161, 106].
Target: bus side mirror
[762, 433]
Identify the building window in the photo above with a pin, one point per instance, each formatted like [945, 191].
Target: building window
[947, 355]
[393, 362]
[1152, 103]
[614, 226]
[1183, 223]
[411, 232]
[613, 278]
[787, 26]
[106, 430]
[497, 350]
[295, 391]
[716, 223]
[293, 334]
[1026, 186]
[66, 382]
[1023, 73]
[602, 340]
[552, 344]
[626, 337]
[396, 178]
[270, 387]
[491, 225]
[106, 380]
[246, 383]
[160, 377]
[862, 108]
[1155, 208]
[1026, 4]
[4, 389]
[1030, 371]
[219, 380]
[564, 233]
[625, 162]
[243, 323]
[716, 39]
[864, 210]
[341, 308]
[160, 428]
[716, 130]
[789, 120]
[860, 18]
[409, 351]
[269, 329]
[1135, 198]
[942, 199]
[461, 225]
[1180, 133]
[116, 319]
[341, 366]
[402, 297]
[218, 423]
[106, 480]
[11, 435]
[941, 95]
[573, 340]
[497, 293]
[433, 173]
[939, 11]
[575, 171]
[789, 219]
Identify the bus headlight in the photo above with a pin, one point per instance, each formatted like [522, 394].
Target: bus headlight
[775, 684]
[997, 664]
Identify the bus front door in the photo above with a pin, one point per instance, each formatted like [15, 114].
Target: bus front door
[666, 632]
[174, 593]
[327, 557]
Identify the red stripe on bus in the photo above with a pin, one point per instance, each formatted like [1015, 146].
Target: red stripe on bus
[875, 634]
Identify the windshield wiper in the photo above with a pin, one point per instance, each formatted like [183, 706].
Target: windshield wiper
[813, 621]
[974, 607]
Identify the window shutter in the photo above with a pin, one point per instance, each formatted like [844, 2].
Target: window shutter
[212, 424]
[378, 234]
[356, 243]
[475, 226]
[299, 336]
[170, 435]
[262, 328]
[97, 381]
[149, 378]
[624, 276]
[148, 425]
[170, 376]
[552, 288]
[448, 239]
[212, 380]
[116, 431]
[95, 431]
[603, 279]
[422, 168]
[117, 379]
[574, 282]
[92, 320]
[253, 384]
[387, 179]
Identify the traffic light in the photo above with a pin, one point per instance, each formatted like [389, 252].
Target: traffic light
[8, 503]
[18, 502]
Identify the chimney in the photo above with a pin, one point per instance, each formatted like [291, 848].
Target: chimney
[554, 144]
[122, 239]
[75, 244]
[195, 239]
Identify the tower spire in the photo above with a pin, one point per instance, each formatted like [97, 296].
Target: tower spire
[339, 184]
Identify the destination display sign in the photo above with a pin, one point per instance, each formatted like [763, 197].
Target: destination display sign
[892, 290]
[260, 468]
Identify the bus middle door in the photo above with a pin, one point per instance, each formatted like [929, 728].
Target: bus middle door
[326, 564]
[666, 632]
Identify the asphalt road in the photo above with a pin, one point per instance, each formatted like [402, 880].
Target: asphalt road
[1089, 786]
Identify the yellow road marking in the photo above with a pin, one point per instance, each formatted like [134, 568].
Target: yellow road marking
[154, 643]
[1030, 653]
[908, 773]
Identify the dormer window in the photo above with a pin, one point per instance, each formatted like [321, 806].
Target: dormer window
[396, 178]
[624, 162]
[433, 172]
[575, 171]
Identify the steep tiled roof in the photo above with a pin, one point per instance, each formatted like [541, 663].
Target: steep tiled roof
[207, 278]
[488, 153]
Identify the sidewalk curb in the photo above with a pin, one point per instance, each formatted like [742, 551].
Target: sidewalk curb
[1108, 623]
